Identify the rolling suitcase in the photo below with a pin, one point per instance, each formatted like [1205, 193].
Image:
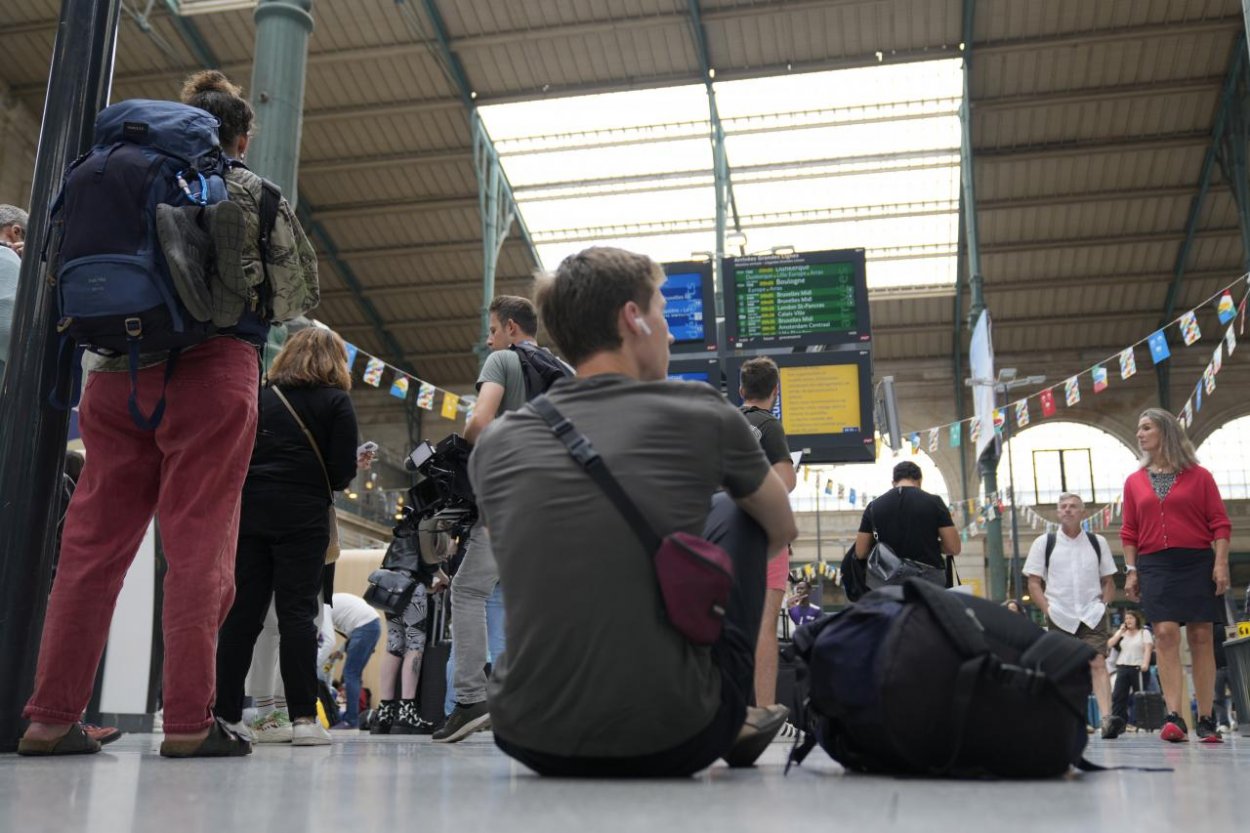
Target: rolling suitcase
[1148, 708]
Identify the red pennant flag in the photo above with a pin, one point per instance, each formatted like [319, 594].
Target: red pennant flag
[1048, 403]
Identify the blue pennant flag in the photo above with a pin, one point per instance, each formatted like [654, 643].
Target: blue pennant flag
[351, 355]
[1159, 347]
[852, 497]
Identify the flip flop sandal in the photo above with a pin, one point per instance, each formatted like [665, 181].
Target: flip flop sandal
[220, 743]
[74, 742]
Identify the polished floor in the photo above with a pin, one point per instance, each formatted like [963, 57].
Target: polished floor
[364, 784]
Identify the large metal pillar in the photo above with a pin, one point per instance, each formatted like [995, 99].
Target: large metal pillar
[996, 569]
[282, 31]
[32, 434]
[498, 211]
[1236, 69]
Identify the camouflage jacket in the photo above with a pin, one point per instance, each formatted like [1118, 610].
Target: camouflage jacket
[292, 265]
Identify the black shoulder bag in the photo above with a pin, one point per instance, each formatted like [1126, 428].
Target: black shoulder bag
[886, 567]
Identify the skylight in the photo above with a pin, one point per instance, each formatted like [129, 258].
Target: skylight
[851, 158]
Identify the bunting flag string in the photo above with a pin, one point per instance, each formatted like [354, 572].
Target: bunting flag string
[453, 406]
[1230, 316]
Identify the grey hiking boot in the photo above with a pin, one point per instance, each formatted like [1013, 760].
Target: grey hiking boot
[756, 734]
[230, 294]
[462, 722]
[187, 248]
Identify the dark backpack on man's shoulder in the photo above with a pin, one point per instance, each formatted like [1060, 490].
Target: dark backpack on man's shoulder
[539, 367]
[917, 680]
[115, 293]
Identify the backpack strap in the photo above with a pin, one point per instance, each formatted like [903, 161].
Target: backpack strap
[146, 423]
[1052, 537]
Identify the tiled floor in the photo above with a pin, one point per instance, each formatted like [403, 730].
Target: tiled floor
[363, 784]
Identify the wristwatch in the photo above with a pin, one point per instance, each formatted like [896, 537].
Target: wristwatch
[1129, 568]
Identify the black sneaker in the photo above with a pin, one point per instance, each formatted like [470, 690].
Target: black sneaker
[1112, 727]
[384, 718]
[1174, 729]
[462, 722]
[1207, 731]
[409, 721]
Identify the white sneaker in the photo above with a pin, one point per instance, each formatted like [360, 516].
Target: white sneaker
[274, 727]
[242, 730]
[310, 733]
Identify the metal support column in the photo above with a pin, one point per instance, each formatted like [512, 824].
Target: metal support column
[282, 31]
[498, 211]
[32, 434]
[996, 569]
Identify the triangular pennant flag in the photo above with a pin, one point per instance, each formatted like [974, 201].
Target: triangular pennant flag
[1072, 391]
[1208, 379]
[1198, 397]
[1189, 328]
[956, 434]
[1159, 347]
[1217, 358]
[828, 487]
[976, 432]
[933, 439]
[914, 440]
[451, 406]
[1225, 308]
[1100, 378]
[1187, 414]
[399, 388]
[999, 420]
[841, 491]
[1230, 340]
[852, 497]
[373, 372]
[1128, 363]
[1048, 402]
[352, 350]
[1022, 413]
[425, 396]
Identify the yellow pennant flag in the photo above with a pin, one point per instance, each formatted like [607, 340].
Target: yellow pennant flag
[451, 406]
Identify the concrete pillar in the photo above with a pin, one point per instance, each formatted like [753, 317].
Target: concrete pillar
[282, 31]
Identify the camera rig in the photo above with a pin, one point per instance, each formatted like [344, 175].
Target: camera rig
[442, 500]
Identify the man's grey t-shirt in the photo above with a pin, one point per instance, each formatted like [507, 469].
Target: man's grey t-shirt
[10, 267]
[593, 668]
[504, 368]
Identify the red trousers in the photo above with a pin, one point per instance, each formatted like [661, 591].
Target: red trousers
[190, 473]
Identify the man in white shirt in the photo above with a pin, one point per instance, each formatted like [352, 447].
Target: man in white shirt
[356, 620]
[1070, 578]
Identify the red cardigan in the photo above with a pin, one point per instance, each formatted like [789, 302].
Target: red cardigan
[1192, 515]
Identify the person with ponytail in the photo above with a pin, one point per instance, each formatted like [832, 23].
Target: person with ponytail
[1176, 538]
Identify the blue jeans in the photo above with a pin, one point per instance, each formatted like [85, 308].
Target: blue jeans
[360, 647]
[494, 643]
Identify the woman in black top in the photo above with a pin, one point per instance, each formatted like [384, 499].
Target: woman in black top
[284, 529]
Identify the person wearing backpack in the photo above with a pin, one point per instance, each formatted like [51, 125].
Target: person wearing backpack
[1071, 578]
[190, 467]
[516, 371]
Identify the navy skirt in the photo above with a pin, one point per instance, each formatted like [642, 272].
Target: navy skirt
[1176, 586]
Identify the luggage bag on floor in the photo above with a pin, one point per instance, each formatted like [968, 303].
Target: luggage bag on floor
[432, 684]
[1149, 710]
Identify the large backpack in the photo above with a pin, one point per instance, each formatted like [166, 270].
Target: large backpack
[540, 368]
[917, 680]
[114, 289]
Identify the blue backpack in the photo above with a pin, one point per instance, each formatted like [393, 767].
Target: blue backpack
[115, 293]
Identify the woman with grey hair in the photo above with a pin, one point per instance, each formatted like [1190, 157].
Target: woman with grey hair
[1176, 538]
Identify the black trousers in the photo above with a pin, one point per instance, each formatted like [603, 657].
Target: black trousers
[733, 654]
[282, 548]
[1128, 679]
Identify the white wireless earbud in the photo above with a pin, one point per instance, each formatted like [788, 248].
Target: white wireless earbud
[642, 325]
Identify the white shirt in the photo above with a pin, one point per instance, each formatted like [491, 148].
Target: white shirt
[1074, 585]
[350, 612]
[1133, 647]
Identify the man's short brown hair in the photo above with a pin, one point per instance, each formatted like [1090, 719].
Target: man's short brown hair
[760, 378]
[515, 308]
[581, 301]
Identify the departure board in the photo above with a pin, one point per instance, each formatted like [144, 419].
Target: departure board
[807, 298]
[689, 306]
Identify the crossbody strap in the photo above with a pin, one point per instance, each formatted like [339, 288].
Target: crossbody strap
[311, 440]
[584, 454]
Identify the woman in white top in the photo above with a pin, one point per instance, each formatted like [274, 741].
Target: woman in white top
[1133, 665]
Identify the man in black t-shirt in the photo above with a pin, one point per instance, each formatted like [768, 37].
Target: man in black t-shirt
[914, 523]
[759, 388]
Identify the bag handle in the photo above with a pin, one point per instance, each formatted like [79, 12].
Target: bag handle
[584, 454]
[311, 440]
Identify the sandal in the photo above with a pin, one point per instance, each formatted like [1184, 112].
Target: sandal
[74, 742]
[220, 743]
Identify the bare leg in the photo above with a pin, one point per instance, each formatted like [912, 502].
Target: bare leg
[1202, 649]
[1102, 684]
[412, 674]
[388, 671]
[766, 650]
[1168, 650]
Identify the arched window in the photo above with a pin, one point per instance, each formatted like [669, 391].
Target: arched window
[1226, 454]
[1056, 457]
[865, 478]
